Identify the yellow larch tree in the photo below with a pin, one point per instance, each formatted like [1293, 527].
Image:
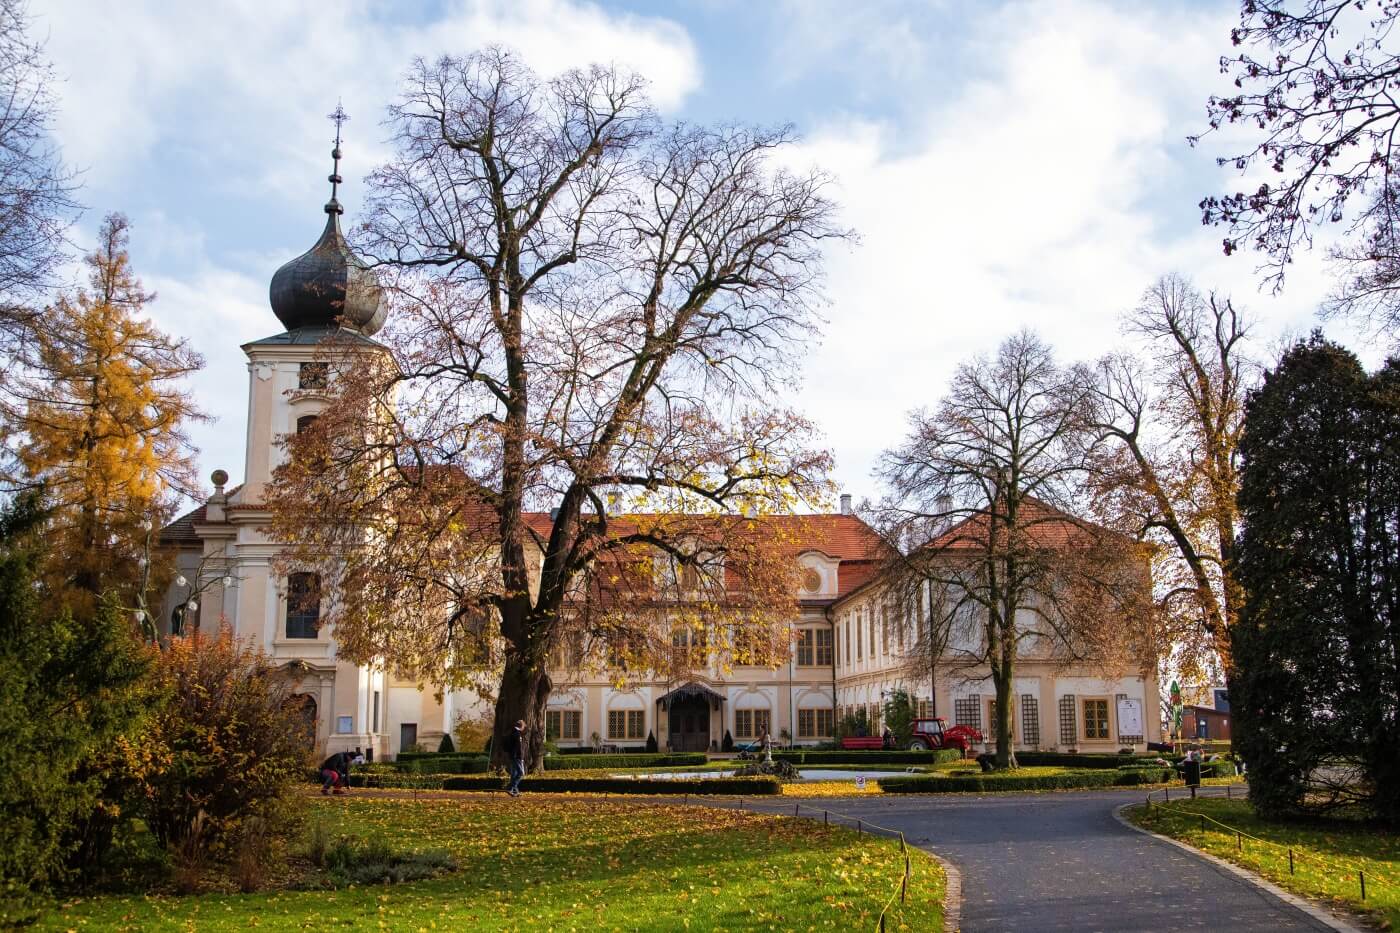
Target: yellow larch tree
[101, 426]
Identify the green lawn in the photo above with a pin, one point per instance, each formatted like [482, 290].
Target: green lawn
[572, 863]
[1326, 857]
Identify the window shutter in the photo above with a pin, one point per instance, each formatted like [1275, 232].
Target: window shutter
[1069, 730]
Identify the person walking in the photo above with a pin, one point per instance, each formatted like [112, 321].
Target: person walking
[515, 750]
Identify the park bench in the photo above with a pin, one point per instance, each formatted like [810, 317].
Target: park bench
[863, 741]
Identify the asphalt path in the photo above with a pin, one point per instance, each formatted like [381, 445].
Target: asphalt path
[1061, 861]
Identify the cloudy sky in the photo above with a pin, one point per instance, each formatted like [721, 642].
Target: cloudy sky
[1006, 165]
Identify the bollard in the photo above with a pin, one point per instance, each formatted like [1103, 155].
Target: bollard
[882, 923]
[1239, 841]
[797, 806]
[1227, 786]
[902, 846]
[687, 796]
[1167, 793]
[1203, 822]
[826, 818]
[1362, 876]
[1290, 861]
[741, 803]
[1149, 801]
[860, 826]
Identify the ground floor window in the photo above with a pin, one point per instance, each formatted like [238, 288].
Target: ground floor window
[752, 723]
[626, 724]
[562, 724]
[922, 709]
[1096, 719]
[812, 723]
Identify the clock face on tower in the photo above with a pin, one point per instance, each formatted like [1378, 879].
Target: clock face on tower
[811, 581]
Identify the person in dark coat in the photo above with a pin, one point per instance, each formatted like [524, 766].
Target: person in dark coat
[335, 772]
[515, 751]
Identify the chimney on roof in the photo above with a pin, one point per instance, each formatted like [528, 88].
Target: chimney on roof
[845, 503]
[554, 517]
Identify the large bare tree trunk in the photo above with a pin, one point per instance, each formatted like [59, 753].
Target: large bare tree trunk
[525, 689]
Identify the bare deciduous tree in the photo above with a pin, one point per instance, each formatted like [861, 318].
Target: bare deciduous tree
[1315, 82]
[989, 558]
[1169, 472]
[36, 189]
[591, 313]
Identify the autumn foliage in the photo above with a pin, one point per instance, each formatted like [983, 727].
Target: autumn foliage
[222, 743]
[571, 423]
[98, 410]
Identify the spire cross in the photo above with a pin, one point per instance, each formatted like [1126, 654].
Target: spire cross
[338, 117]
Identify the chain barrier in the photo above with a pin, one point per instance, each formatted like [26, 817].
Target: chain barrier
[1294, 858]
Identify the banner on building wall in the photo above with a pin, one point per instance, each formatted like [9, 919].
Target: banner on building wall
[1130, 716]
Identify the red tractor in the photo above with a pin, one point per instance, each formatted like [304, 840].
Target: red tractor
[932, 733]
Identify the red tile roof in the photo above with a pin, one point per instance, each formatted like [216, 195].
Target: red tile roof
[1045, 525]
[844, 538]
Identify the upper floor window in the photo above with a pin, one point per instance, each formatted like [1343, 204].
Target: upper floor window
[826, 650]
[303, 605]
[806, 647]
[312, 376]
[305, 422]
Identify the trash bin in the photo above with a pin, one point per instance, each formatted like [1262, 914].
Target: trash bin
[1191, 770]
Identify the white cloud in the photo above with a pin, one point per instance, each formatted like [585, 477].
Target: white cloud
[259, 77]
[1031, 196]
[237, 92]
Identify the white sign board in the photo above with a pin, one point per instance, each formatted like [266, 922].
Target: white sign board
[1130, 717]
[860, 782]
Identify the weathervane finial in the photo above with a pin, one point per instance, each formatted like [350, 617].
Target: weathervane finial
[338, 117]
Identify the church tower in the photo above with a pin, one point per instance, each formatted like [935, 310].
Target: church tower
[330, 305]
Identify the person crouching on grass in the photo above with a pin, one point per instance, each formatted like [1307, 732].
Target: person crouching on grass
[335, 773]
[515, 749]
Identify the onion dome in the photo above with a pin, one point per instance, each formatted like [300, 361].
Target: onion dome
[328, 285]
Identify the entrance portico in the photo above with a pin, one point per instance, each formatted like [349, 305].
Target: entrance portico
[689, 710]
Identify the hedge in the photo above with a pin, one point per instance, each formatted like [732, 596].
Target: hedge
[443, 764]
[856, 757]
[397, 781]
[985, 783]
[655, 760]
[747, 787]
[1074, 760]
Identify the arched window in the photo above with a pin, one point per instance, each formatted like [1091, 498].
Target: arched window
[303, 605]
[305, 422]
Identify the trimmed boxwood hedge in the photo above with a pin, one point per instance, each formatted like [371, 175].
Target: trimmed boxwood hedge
[984, 783]
[747, 787]
[654, 760]
[857, 757]
[1075, 760]
[445, 764]
[397, 781]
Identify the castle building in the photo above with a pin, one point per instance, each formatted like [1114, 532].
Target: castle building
[849, 647]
